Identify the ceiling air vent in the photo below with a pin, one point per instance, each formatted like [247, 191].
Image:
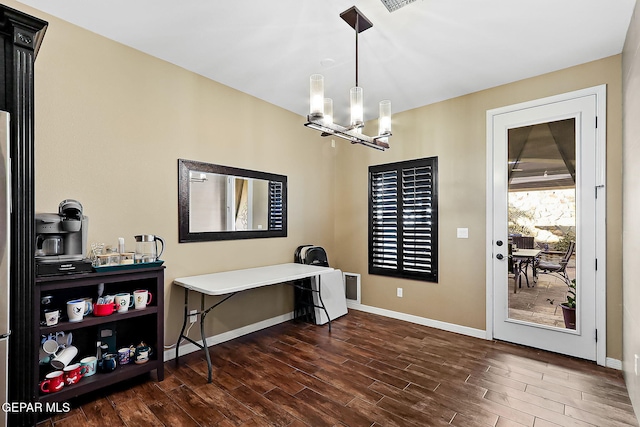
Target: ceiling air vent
[396, 4]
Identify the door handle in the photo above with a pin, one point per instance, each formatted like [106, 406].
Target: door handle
[500, 256]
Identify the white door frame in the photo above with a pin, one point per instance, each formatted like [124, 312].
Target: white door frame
[601, 242]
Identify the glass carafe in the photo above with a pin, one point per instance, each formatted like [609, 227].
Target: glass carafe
[147, 248]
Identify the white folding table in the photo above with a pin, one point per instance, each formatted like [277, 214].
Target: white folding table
[229, 283]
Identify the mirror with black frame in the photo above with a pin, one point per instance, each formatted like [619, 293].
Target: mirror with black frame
[218, 202]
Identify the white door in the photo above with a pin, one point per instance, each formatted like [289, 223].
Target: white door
[541, 156]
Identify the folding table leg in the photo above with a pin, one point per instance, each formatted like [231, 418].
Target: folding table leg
[184, 324]
[204, 338]
[322, 302]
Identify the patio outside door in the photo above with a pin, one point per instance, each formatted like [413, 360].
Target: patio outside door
[546, 172]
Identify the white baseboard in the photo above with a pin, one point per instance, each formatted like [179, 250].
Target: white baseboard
[450, 327]
[614, 363]
[227, 336]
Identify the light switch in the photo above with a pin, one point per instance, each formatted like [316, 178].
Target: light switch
[463, 233]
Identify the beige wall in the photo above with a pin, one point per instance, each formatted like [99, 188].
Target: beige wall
[455, 131]
[631, 194]
[111, 122]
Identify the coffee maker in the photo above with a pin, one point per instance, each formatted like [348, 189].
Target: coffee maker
[61, 240]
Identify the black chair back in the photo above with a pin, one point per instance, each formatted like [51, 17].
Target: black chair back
[523, 242]
[572, 247]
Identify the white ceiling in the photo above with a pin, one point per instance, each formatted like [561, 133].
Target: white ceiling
[426, 52]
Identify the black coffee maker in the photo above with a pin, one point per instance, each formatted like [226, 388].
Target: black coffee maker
[61, 240]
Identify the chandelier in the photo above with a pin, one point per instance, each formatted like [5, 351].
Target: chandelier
[321, 109]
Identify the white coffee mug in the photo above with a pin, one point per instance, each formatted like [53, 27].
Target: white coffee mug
[51, 317]
[63, 339]
[77, 309]
[64, 357]
[124, 302]
[50, 346]
[48, 351]
[142, 298]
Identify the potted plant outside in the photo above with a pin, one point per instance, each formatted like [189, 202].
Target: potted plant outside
[569, 307]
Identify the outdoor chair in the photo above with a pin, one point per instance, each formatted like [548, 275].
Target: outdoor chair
[557, 269]
[517, 269]
[513, 267]
[525, 242]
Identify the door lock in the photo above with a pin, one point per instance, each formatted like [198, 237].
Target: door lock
[500, 256]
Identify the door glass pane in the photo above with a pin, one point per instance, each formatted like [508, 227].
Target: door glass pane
[542, 221]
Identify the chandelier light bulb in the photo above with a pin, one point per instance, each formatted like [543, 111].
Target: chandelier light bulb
[357, 109]
[384, 119]
[328, 111]
[316, 95]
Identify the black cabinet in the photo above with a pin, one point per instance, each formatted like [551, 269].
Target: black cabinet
[130, 328]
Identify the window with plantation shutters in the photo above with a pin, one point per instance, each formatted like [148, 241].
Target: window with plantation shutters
[403, 219]
[383, 241]
[276, 201]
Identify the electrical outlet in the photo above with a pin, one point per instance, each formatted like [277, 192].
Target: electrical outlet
[193, 316]
[399, 292]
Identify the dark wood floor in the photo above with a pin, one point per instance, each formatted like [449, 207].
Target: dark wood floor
[370, 371]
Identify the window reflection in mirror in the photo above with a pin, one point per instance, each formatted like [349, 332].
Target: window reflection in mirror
[221, 203]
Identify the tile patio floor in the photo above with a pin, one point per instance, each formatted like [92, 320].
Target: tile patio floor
[539, 303]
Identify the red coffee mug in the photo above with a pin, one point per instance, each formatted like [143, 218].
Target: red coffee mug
[104, 309]
[54, 382]
[73, 373]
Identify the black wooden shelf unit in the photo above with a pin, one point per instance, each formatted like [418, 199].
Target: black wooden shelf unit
[135, 326]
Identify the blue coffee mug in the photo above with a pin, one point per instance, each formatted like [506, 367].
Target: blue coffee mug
[108, 363]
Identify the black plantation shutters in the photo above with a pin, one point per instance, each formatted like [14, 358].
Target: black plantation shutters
[275, 205]
[383, 243]
[417, 229]
[403, 219]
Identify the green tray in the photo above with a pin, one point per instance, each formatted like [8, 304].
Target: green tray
[135, 266]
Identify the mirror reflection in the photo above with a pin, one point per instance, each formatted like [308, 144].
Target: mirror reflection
[221, 203]
[227, 203]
